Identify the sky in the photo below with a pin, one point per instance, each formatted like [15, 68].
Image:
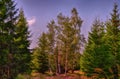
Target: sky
[40, 12]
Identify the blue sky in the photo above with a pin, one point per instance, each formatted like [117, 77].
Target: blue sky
[40, 12]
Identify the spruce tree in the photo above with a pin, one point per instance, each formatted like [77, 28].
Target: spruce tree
[8, 17]
[22, 55]
[40, 56]
[14, 43]
[112, 40]
[3, 43]
[95, 53]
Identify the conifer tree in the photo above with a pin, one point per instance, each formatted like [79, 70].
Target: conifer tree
[3, 43]
[112, 40]
[95, 53]
[8, 17]
[14, 43]
[22, 55]
[40, 56]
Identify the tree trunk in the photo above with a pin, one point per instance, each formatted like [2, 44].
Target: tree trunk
[58, 59]
[115, 72]
[8, 72]
[66, 66]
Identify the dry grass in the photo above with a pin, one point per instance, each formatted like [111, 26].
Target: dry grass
[75, 75]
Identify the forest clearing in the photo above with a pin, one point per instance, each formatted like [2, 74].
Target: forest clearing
[61, 51]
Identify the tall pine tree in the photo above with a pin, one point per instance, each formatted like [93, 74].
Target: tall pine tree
[22, 55]
[13, 42]
[113, 40]
[8, 19]
[40, 55]
[3, 42]
[95, 53]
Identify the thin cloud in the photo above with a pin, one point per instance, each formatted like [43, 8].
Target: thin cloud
[31, 21]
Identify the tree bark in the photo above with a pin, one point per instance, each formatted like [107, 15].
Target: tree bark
[66, 64]
[115, 72]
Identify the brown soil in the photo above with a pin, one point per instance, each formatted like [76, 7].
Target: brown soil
[61, 76]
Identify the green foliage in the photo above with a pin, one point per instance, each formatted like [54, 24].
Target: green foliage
[23, 76]
[59, 48]
[103, 45]
[40, 56]
[113, 40]
[22, 43]
[20, 77]
[95, 52]
[14, 43]
[68, 40]
[51, 45]
[7, 32]
[60, 45]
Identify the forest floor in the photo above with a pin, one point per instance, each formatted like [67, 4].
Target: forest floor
[76, 75]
